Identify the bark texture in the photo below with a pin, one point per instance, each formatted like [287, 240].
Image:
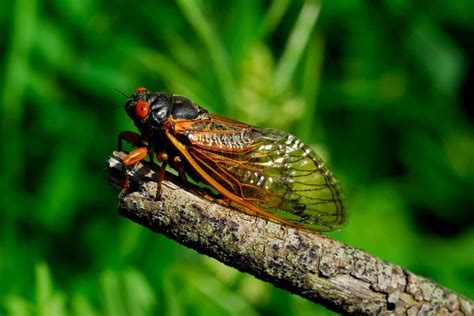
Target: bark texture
[323, 270]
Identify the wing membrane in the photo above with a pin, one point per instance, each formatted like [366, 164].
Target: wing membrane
[270, 169]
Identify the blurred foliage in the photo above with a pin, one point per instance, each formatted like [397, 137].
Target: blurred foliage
[382, 89]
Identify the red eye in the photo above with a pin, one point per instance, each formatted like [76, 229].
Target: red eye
[140, 89]
[141, 109]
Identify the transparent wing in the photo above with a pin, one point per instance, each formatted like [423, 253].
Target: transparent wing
[270, 169]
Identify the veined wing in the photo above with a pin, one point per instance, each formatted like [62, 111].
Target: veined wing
[270, 169]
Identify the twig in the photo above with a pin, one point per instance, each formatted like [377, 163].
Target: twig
[321, 269]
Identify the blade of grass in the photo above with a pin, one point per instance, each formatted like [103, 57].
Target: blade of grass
[16, 76]
[112, 300]
[238, 32]
[174, 305]
[177, 78]
[12, 105]
[312, 72]
[225, 299]
[14, 305]
[44, 290]
[297, 43]
[273, 17]
[139, 296]
[80, 306]
[214, 46]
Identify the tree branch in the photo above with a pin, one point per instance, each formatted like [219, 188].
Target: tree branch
[314, 266]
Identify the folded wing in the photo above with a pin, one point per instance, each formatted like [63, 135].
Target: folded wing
[270, 169]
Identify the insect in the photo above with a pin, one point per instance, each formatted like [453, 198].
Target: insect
[271, 173]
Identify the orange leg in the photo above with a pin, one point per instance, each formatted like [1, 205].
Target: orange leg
[131, 159]
[135, 156]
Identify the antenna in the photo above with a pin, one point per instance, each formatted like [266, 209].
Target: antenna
[121, 92]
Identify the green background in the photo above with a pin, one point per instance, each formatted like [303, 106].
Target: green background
[383, 90]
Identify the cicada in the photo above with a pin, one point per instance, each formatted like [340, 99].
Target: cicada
[271, 173]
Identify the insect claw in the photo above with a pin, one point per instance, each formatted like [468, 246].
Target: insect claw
[122, 194]
[158, 192]
[161, 174]
[125, 184]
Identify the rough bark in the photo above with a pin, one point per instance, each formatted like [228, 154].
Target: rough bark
[314, 266]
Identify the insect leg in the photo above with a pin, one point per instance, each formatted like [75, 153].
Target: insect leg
[135, 156]
[128, 161]
[178, 165]
[163, 157]
[150, 155]
[131, 137]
